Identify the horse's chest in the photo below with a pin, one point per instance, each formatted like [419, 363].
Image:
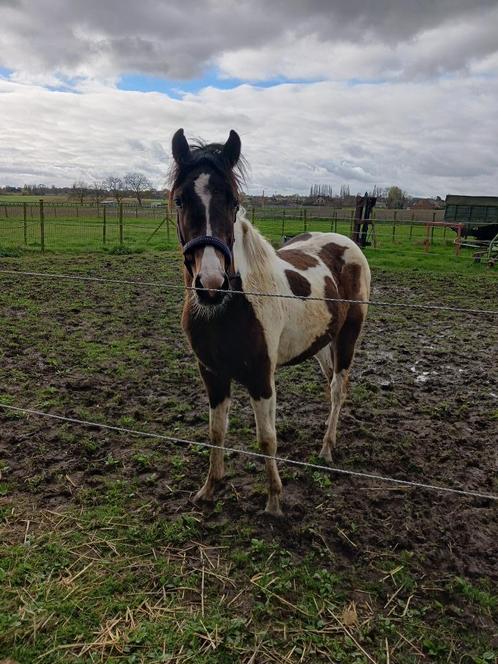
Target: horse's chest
[231, 344]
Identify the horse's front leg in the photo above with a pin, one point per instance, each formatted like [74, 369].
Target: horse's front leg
[264, 413]
[218, 389]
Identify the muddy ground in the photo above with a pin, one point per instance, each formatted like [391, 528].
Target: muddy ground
[423, 406]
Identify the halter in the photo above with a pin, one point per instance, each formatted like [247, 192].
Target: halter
[203, 241]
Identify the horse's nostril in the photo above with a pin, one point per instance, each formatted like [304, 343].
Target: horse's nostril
[210, 290]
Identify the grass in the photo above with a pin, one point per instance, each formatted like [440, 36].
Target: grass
[102, 556]
[116, 582]
[397, 248]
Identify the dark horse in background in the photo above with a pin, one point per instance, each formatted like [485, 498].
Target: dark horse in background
[246, 337]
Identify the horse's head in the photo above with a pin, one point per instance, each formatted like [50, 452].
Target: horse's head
[205, 191]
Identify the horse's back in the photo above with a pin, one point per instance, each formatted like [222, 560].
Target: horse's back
[339, 254]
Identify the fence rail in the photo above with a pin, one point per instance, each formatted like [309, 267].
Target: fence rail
[68, 226]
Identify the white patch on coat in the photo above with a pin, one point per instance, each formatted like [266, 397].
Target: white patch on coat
[290, 325]
[210, 263]
[202, 190]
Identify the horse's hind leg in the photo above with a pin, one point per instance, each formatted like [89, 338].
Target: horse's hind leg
[326, 362]
[343, 351]
[219, 404]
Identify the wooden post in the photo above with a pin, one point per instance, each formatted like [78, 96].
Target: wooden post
[394, 225]
[283, 223]
[411, 225]
[167, 226]
[252, 216]
[335, 221]
[426, 238]
[374, 230]
[305, 219]
[433, 226]
[121, 223]
[458, 243]
[104, 225]
[25, 222]
[351, 223]
[5, 211]
[77, 212]
[42, 225]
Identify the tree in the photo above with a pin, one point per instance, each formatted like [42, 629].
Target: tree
[79, 191]
[114, 185]
[98, 191]
[138, 184]
[396, 198]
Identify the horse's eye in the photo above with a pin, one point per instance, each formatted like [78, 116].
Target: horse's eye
[178, 202]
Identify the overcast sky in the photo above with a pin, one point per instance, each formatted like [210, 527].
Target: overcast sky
[334, 92]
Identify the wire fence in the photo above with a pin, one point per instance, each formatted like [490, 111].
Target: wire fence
[252, 454]
[50, 226]
[249, 453]
[54, 276]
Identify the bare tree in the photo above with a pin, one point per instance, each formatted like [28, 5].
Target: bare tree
[79, 191]
[138, 184]
[114, 185]
[98, 191]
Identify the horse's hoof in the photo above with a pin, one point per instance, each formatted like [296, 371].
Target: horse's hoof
[326, 454]
[204, 495]
[274, 510]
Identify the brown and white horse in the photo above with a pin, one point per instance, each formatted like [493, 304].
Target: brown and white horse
[246, 337]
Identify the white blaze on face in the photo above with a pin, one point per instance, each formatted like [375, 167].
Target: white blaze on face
[210, 264]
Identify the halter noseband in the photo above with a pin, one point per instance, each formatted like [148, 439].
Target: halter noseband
[203, 241]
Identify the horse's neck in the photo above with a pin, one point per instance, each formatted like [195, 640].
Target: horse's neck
[254, 257]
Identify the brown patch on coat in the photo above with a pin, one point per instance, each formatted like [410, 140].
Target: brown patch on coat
[230, 345]
[350, 327]
[298, 238]
[319, 343]
[332, 255]
[299, 285]
[297, 258]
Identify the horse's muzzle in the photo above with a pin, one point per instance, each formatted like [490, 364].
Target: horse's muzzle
[211, 291]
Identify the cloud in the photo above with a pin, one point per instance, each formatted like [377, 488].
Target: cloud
[333, 91]
[412, 134]
[248, 39]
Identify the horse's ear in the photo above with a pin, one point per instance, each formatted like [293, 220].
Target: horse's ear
[180, 147]
[231, 149]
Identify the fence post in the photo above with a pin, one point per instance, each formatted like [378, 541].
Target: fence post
[394, 225]
[25, 222]
[5, 211]
[305, 219]
[411, 225]
[432, 229]
[121, 223]
[252, 215]
[335, 221]
[283, 223]
[374, 231]
[42, 225]
[104, 225]
[458, 243]
[167, 225]
[426, 238]
[351, 223]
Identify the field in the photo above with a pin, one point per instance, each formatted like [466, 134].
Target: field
[103, 557]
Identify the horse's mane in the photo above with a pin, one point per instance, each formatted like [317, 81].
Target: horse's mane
[209, 154]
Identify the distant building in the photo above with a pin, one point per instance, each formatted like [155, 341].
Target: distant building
[478, 214]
